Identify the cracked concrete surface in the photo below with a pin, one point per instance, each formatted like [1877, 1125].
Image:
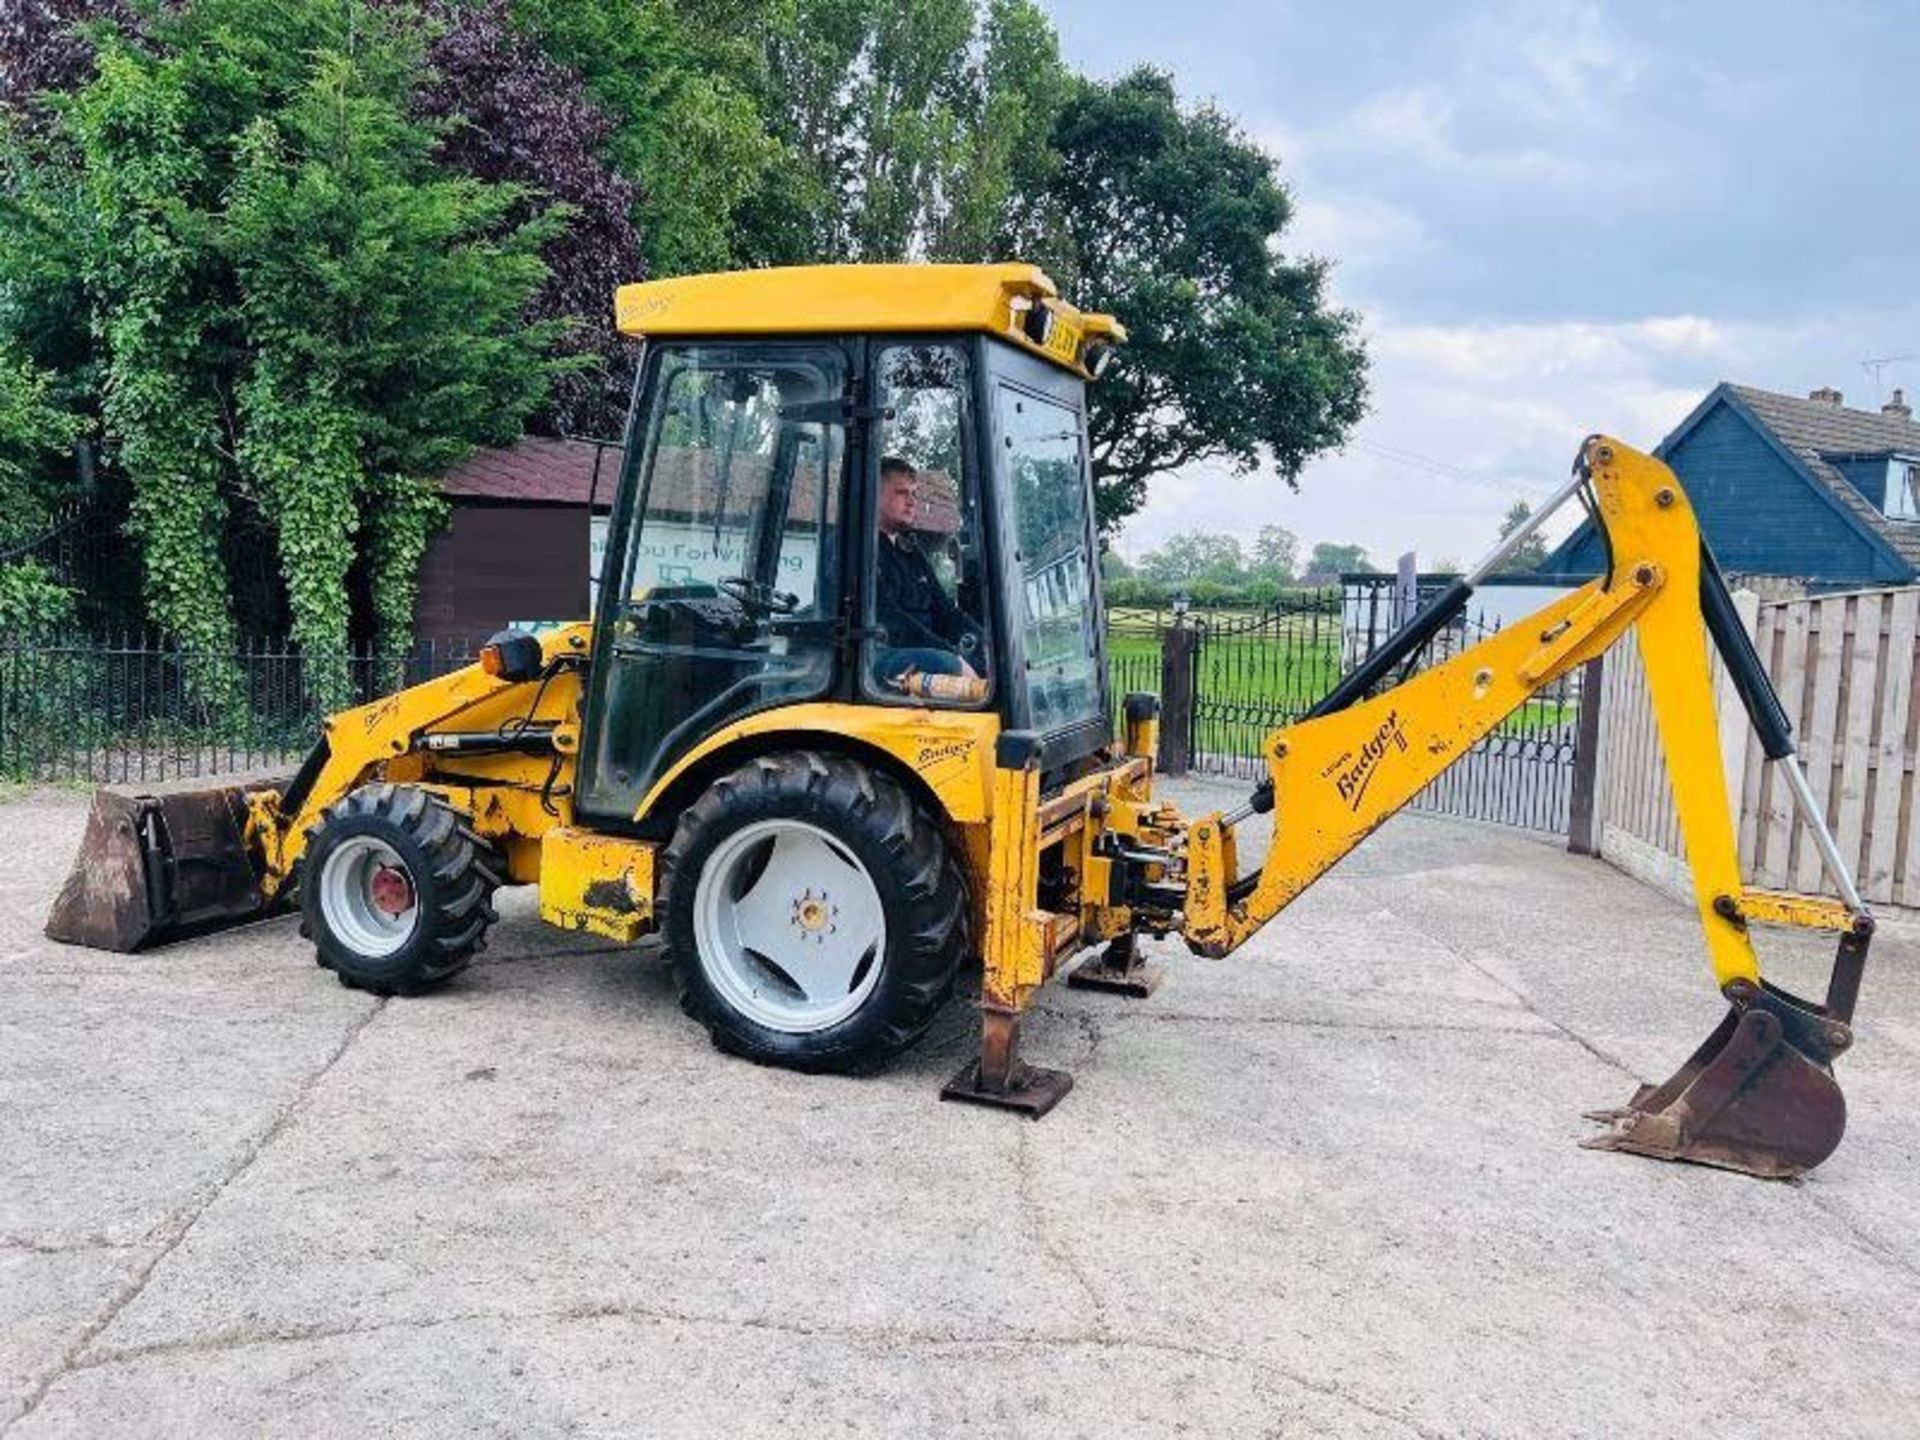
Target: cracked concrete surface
[1325, 1187]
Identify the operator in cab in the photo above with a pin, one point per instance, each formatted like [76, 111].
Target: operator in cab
[927, 634]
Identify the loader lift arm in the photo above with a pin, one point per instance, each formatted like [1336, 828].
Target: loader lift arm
[1759, 1096]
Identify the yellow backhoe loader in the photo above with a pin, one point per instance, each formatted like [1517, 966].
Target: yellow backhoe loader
[841, 720]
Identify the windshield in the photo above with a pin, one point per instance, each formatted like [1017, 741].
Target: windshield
[740, 496]
[1047, 490]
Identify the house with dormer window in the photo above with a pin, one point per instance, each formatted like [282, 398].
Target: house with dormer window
[1794, 489]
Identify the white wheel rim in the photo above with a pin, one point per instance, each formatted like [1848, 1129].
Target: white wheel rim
[347, 898]
[789, 926]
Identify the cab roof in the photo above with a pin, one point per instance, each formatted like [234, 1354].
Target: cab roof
[997, 300]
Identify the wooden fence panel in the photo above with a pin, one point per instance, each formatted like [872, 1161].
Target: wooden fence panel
[1890, 841]
[1858, 712]
[1791, 643]
[1890, 795]
[1847, 669]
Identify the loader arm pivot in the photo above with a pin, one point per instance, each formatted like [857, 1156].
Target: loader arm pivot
[1760, 1096]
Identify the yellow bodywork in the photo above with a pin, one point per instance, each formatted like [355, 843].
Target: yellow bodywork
[606, 884]
[599, 883]
[1336, 778]
[865, 299]
[950, 750]
[509, 797]
[1042, 865]
[1801, 912]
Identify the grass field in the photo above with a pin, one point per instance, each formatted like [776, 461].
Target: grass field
[1249, 683]
[1288, 667]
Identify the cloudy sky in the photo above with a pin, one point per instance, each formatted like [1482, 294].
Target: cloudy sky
[1555, 218]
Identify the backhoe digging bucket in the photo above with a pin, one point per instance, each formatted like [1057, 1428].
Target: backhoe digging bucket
[152, 869]
[1759, 1096]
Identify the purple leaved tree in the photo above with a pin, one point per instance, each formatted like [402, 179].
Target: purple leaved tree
[41, 51]
[518, 116]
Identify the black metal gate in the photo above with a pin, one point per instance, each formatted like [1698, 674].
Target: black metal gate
[1248, 672]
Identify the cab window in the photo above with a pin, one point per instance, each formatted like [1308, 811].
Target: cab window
[1053, 536]
[927, 591]
[740, 499]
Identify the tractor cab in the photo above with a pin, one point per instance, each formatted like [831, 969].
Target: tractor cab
[852, 484]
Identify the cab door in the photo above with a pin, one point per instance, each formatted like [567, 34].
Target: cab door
[719, 597]
[1049, 548]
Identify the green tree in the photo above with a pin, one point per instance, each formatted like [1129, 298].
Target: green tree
[687, 84]
[1276, 553]
[1329, 562]
[36, 435]
[905, 131]
[383, 306]
[295, 313]
[1196, 556]
[1531, 553]
[141, 175]
[1005, 160]
[1172, 220]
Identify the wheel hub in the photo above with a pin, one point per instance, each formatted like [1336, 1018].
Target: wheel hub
[391, 890]
[814, 915]
[367, 896]
[789, 926]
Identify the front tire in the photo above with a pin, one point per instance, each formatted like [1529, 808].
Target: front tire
[396, 890]
[814, 915]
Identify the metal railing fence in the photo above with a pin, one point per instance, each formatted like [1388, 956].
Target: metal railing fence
[130, 708]
[1229, 678]
[133, 709]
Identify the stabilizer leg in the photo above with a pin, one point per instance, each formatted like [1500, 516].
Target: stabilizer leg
[1000, 1078]
[1119, 971]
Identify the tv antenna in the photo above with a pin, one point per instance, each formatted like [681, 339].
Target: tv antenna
[1874, 365]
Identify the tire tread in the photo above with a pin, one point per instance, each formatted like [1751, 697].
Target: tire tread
[828, 789]
[463, 870]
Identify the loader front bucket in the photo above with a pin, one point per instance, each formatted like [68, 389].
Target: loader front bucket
[153, 869]
[1759, 1096]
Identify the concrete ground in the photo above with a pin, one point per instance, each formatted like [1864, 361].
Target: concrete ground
[1327, 1187]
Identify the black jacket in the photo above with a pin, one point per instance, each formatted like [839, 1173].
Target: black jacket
[909, 603]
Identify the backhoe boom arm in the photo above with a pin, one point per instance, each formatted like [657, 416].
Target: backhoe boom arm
[1337, 775]
[1759, 1096]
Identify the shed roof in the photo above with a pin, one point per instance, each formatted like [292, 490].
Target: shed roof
[540, 471]
[537, 471]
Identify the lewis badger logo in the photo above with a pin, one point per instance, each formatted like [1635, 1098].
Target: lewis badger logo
[933, 754]
[1354, 773]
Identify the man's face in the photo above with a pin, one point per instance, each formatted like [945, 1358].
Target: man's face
[898, 501]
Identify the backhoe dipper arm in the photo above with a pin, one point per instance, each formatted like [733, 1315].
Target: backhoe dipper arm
[1356, 759]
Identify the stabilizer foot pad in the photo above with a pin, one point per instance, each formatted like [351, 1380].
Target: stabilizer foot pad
[1135, 981]
[1031, 1091]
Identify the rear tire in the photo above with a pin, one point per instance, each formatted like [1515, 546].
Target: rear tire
[396, 890]
[814, 915]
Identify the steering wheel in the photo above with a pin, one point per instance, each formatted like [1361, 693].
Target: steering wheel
[756, 596]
